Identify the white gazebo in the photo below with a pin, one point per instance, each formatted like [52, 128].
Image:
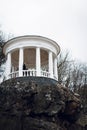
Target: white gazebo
[31, 56]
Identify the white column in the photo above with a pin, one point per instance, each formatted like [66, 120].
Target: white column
[8, 65]
[55, 68]
[38, 62]
[51, 64]
[21, 59]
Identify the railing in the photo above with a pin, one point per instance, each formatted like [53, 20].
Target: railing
[26, 73]
[14, 74]
[56, 78]
[2, 78]
[45, 74]
[29, 73]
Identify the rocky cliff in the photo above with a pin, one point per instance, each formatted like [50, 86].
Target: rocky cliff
[38, 104]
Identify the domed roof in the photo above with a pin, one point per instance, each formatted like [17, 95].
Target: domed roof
[35, 40]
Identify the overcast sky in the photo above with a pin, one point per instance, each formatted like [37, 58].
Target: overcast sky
[64, 21]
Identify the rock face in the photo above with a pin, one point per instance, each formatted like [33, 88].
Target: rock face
[37, 104]
[82, 121]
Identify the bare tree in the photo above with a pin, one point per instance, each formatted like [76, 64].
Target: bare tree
[71, 74]
[78, 76]
[64, 68]
[3, 39]
[2, 42]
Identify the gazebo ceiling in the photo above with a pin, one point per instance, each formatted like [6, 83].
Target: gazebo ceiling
[30, 57]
